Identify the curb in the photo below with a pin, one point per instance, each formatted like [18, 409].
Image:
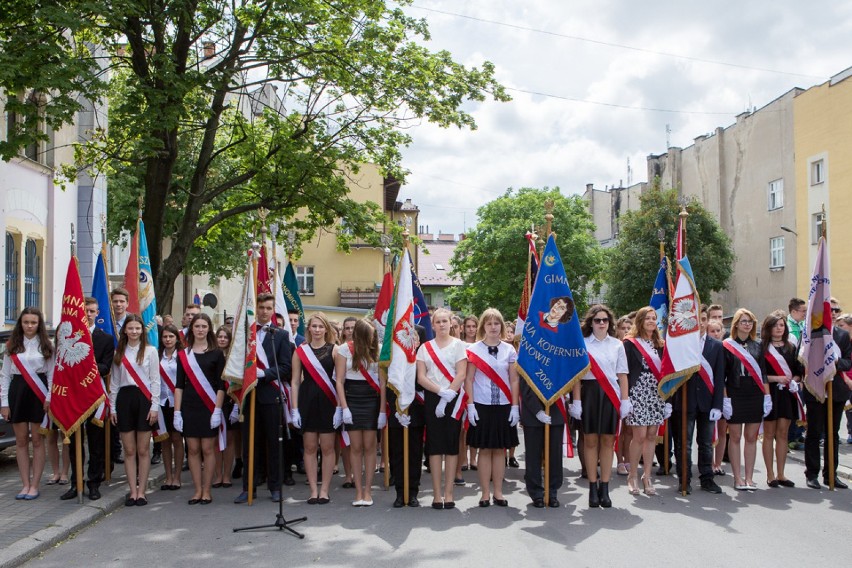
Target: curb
[84, 515]
[842, 470]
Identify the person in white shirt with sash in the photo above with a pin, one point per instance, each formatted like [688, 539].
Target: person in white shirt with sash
[441, 371]
[493, 393]
[601, 399]
[361, 392]
[135, 376]
[25, 383]
[170, 344]
[199, 395]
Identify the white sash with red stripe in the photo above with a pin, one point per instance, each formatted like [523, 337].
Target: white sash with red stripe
[652, 359]
[748, 361]
[34, 381]
[102, 413]
[777, 362]
[204, 389]
[263, 364]
[168, 378]
[316, 372]
[609, 385]
[373, 381]
[567, 444]
[461, 400]
[483, 362]
[136, 374]
[706, 374]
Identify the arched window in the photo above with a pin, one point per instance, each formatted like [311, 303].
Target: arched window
[32, 275]
[12, 279]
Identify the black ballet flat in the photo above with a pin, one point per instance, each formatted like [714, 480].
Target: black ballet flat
[193, 502]
[130, 502]
[313, 501]
[205, 501]
[484, 503]
[323, 501]
[501, 502]
[141, 502]
[437, 505]
[449, 504]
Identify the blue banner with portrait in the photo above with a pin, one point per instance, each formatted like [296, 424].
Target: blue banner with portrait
[552, 354]
[660, 296]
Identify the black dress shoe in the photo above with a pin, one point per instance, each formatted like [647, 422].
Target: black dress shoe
[538, 503]
[94, 492]
[514, 463]
[594, 495]
[70, 494]
[156, 459]
[399, 503]
[413, 502]
[710, 486]
[289, 481]
[553, 503]
[837, 483]
[813, 483]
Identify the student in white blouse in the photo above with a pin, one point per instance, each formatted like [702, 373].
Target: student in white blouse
[133, 411]
[20, 404]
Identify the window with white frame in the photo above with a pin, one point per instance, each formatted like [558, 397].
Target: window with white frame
[776, 194]
[776, 252]
[13, 273]
[32, 275]
[305, 278]
[817, 172]
[817, 220]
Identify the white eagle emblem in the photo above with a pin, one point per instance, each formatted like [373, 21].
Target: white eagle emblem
[405, 335]
[70, 350]
[683, 318]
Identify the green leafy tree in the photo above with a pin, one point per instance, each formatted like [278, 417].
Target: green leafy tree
[492, 259]
[195, 128]
[634, 261]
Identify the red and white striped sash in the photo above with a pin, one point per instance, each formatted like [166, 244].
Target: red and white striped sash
[168, 378]
[482, 361]
[461, 401]
[652, 359]
[748, 361]
[135, 373]
[608, 385]
[34, 382]
[567, 444]
[204, 389]
[777, 362]
[706, 374]
[373, 381]
[317, 372]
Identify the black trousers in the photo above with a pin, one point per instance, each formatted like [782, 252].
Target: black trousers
[817, 426]
[698, 424]
[415, 457]
[95, 439]
[267, 422]
[534, 456]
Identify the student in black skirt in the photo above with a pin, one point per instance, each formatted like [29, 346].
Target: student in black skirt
[170, 344]
[132, 411]
[20, 405]
[363, 405]
[193, 417]
[746, 403]
[225, 459]
[313, 411]
[783, 388]
[441, 393]
[493, 415]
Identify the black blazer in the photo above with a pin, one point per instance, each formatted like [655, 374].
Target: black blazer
[634, 362]
[531, 404]
[104, 350]
[279, 353]
[698, 397]
[840, 392]
[416, 410]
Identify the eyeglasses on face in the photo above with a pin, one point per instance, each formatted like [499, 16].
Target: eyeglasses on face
[836, 310]
[747, 322]
[600, 320]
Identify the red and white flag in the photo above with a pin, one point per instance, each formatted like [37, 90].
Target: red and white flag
[77, 387]
[380, 313]
[241, 366]
[399, 348]
[817, 350]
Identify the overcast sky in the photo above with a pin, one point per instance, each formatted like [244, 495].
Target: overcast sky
[702, 63]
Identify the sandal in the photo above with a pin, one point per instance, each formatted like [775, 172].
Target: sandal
[649, 486]
[631, 486]
[623, 469]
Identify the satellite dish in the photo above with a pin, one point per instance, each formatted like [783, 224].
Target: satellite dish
[210, 300]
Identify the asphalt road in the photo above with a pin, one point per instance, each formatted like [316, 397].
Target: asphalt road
[779, 527]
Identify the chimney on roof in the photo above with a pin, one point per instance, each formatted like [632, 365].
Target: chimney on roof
[209, 49]
[446, 237]
[590, 187]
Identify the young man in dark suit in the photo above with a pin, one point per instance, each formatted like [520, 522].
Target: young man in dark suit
[103, 347]
[534, 421]
[703, 409]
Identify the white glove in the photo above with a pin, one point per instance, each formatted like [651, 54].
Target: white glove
[261, 373]
[667, 411]
[235, 415]
[575, 409]
[715, 414]
[793, 386]
[178, 421]
[542, 417]
[216, 418]
[441, 409]
[404, 419]
[295, 418]
[383, 420]
[626, 408]
[767, 405]
[447, 394]
[472, 415]
[727, 408]
[514, 415]
[337, 421]
[347, 416]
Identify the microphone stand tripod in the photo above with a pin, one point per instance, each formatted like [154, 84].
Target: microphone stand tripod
[280, 523]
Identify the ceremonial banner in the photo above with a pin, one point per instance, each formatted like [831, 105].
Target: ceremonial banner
[241, 366]
[140, 284]
[421, 308]
[100, 292]
[399, 347]
[552, 354]
[291, 294]
[660, 296]
[382, 309]
[817, 350]
[264, 282]
[529, 280]
[682, 354]
[77, 387]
